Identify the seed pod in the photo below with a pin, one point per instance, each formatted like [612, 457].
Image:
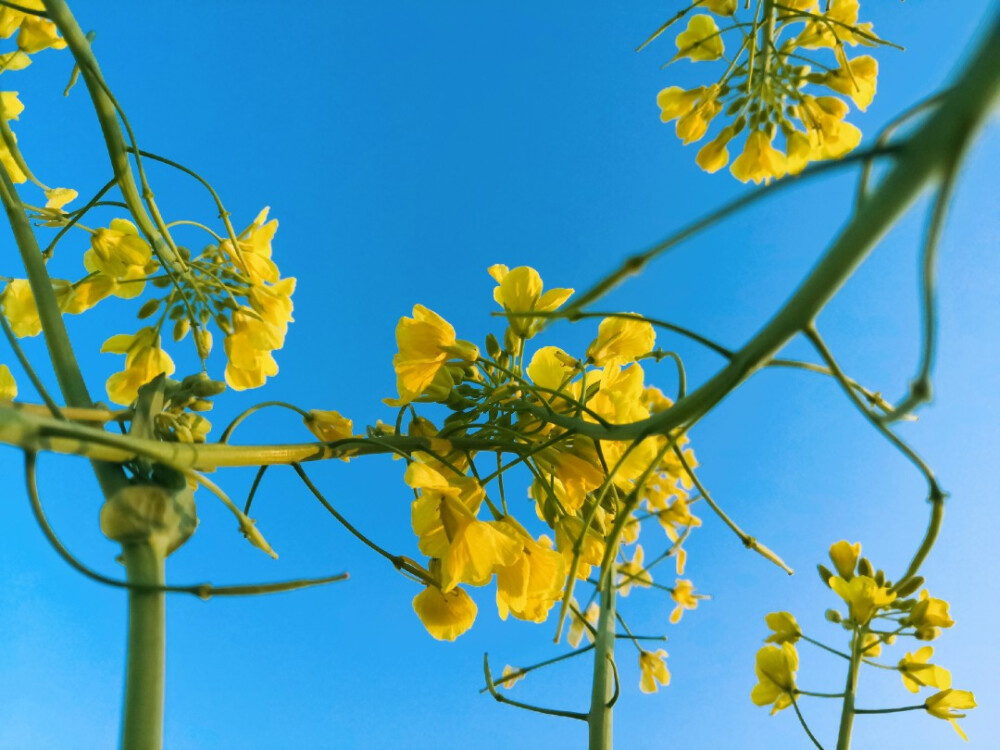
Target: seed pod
[150, 307]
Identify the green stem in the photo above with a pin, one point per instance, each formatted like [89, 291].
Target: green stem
[142, 726]
[847, 712]
[599, 718]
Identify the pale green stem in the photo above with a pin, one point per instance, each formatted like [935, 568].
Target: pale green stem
[847, 712]
[599, 718]
[142, 726]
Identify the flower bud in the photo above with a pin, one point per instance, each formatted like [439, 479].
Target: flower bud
[492, 346]
[181, 328]
[865, 567]
[832, 615]
[909, 586]
[150, 307]
[824, 574]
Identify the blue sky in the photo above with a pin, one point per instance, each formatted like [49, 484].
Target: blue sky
[405, 148]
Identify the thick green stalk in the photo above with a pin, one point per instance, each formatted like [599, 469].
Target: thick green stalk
[67, 370]
[599, 717]
[142, 726]
[847, 712]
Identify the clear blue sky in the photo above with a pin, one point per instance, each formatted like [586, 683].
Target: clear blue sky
[404, 148]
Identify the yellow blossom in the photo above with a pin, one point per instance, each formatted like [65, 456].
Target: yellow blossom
[10, 106]
[445, 615]
[20, 309]
[56, 198]
[786, 629]
[328, 426]
[11, 18]
[552, 368]
[38, 33]
[249, 360]
[8, 160]
[578, 624]
[701, 40]
[509, 677]
[917, 673]
[714, 155]
[693, 126]
[633, 574]
[857, 81]
[8, 388]
[844, 557]
[84, 294]
[273, 303]
[775, 668]
[928, 616]
[864, 596]
[722, 7]
[653, 668]
[119, 253]
[144, 360]
[675, 102]
[943, 705]
[759, 160]
[871, 645]
[253, 251]
[519, 290]
[569, 532]
[838, 26]
[426, 342]
[621, 341]
[683, 594]
[528, 587]
[799, 149]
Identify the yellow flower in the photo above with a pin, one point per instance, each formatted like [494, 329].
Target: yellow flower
[837, 27]
[7, 158]
[249, 365]
[56, 198]
[11, 18]
[38, 33]
[328, 426]
[722, 7]
[864, 596]
[786, 629]
[701, 40]
[509, 677]
[759, 160]
[633, 574]
[829, 136]
[8, 388]
[693, 126]
[10, 105]
[84, 294]
[856, 81]
[445, 615]
[871, 645]
[683, 594]
[654, 670]
[943, 705]
[552, 368]
[799, 150]
[426, 342]
[519, 290]
[621, 341]
[714, 155]
[917, 673]
[121, 254]
[675, 102]
[528, 587]
[253, 251]
[775, 668]
[845, 557]
[144, 360]
[928, 616]
[569, 531]
[20, 309]
[578, 625]
[273, 302]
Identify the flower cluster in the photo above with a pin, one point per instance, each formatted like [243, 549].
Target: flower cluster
[592, 495]
[766, 88]
[878, 613]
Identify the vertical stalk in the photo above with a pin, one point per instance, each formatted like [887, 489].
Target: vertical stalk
[847, 712]
[142, 726]
[599, 718]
